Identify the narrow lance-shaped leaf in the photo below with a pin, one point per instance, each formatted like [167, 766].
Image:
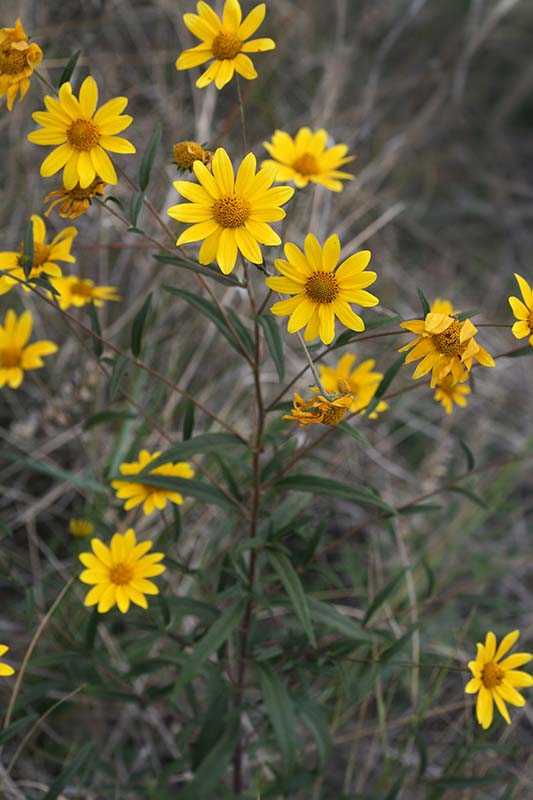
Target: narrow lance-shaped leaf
[148, 158]
[274, 341]
[69, 68]
[96, 329]
[424, 303]
[279, 708]
[119, 370]
[327, 487]
[293, 586]
[137, 329]
[205, 443]
[137, 200]
[27, 258]
[386, 381]
[205, 270]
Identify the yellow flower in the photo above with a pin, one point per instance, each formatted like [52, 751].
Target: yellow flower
[18, 59]
[80, 528]
[449, 392]
[319, 409]
[83, 136]
[44, 256]
[74, 202]
[119, 572]
[523, 311]
[440, 306]
[230, 213]
[74, 291]
[150, 496]
[15, 357]
[321, 293]
[361, 383]
[305, 159]
[225, 41]
[186, 153]
[446, 347]
[495, 680]
[5, 669]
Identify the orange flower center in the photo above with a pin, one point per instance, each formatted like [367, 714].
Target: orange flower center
[231, 211]
[322, 287]
[334, 415]
[448, 342]
[120, 574]
[12, 61]
[492, 675]
[83, 134]
[85, 194]
[10, 357]
[186, 153]
[82, 289]
[226, 45]
[306, 165]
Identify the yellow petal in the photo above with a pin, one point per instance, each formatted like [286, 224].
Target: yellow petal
[252, 22]
[506, 643]
[116, 144]
[55, 160]
[244, 66]
[227, 250]
[88, 96]
[103, 165]
[525, 289]
[258, 46]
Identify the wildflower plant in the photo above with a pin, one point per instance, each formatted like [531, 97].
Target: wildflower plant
[243, 606]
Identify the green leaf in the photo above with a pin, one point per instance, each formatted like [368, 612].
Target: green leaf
[17, 727]
[274, 341]
[96, 329]
[204, 443]
[293, 586]
[26, 260]
[206, 271]
[188, 419]
[465, 782]
[218, 633]
[88, 484]
[242, 330]
[424, 303]
[137, 328]
[312, 715]
[101, 417]
[209, 310]
[470, 460]
[279, 708]
[326, 487]
[470, 494]
[327, 615]
[44, 283]
[386, 381]
[467, 314]
[394, 791]
[72, 769]
[119, 370]
[209, 775]
[137, 200]
[382, 596]
[522, 351]
[352, 431]
[148, 158]
[69, 68]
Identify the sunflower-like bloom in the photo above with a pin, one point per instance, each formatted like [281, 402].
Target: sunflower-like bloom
[15, 356]
[186, 153]
[74, 202]
[230, 213]
[449, 392]
[80, 528]
[319, 409]
[45, 256]
[5, 669]
[321, 294]
[82, 136]
[18, 59]
[305, 159]
[74, 291]
[496, 680]
[119, 573]
[523, 311]
[361, 382]
[225, 41]
[446, 347]
[150, 496]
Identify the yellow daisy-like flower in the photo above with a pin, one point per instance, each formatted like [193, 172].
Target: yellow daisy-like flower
[446, 347]
[119, 573]
[18, 59]
[319, 409]
[361, 382]
[449, 392]
[82, 136]
[45, 256]
[150, 496]
[523, 311]
[321, 294]
[496, 680]
[74, 291]
[5, 669]
[186, 153]
[74, 202]
[15, 356]
[80, 528]
[225, 41]
[230, 213]
[305, 159]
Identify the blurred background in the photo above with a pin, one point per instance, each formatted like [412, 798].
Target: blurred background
[435, 99]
